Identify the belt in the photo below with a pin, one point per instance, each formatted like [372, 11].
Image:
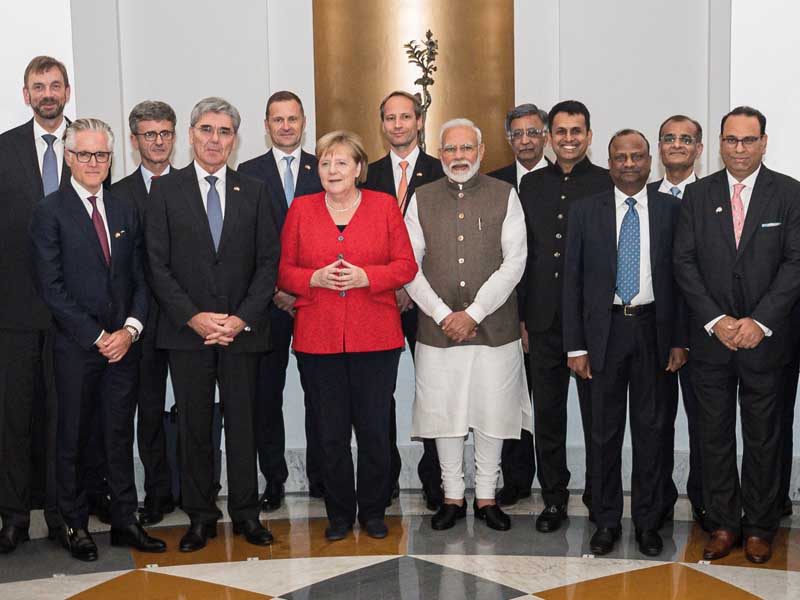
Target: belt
[629, 310]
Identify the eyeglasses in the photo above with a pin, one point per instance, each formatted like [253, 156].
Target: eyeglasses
[85, 157]
[747, 142]
[684, 139]
[531, 132]
[621, 159]
[207, 131]
[151, 136]
[451, 150]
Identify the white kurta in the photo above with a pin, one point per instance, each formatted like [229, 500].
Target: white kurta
[471, 386]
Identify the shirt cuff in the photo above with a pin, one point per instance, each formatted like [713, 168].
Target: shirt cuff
[102, 331]
[475, 312]
[576, 353]
[440, 313]
[135, 323]
[710, 325]
[767, 331]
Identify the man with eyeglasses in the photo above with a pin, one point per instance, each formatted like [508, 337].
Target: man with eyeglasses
[546, 196]
[526, 132]
[152, 125]
[680, 145]
[737, 261]
[625, 334]
[89, 264]
[405, 168]
[213, 247]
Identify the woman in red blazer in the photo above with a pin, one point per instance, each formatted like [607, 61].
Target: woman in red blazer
[344, 252]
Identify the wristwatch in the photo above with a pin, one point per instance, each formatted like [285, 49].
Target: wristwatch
[134, 333]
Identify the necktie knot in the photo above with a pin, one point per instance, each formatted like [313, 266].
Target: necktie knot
[93, 201]
[631, 202]
[737, 188]
[212, 180]
[404, 165]
[288, 160]
[49, 139]
[675, 191]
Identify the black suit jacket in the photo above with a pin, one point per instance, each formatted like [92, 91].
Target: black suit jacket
[380, 176]
[84, 294]
[21, 308]
[509, 173]
[760, 279]
[590, 275]
[265, 169]
[188, 276]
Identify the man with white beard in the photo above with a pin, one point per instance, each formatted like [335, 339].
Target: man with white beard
[469, 239]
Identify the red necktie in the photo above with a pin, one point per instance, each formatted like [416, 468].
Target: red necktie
[100, 229]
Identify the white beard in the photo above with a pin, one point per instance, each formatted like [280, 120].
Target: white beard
[462, 178]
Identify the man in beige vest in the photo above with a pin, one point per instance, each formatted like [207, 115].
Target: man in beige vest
[468, 234]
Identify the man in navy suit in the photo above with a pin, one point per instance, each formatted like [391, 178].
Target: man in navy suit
[88, 258]
[288, 171]
[625, 331]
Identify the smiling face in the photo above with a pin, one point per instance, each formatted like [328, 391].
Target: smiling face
[569, 138]
[212, 139]
[460, 153]
[400, 125]
[679, 155]
[629, 163]
[742, 159]
[46, 94]
[338, 171]
[89, 174]
[285, 124]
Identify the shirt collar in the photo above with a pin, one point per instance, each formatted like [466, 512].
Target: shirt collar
[148, 175]
[280, 154]
[540, 165]
[39, 131]
[749, 181]
[580, 167]
[83, 193]
[640, 197]
[411, 158]
[682, 185]
[202, 173]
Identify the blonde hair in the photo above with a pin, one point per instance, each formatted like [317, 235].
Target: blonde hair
[349, 140]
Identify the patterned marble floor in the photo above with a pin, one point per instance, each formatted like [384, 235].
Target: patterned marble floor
[413, 562]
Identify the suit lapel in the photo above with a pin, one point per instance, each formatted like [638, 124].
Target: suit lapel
[275, 180]
[759, 199]
[386, 176]
[30, 162]
[656, 220]
[74, 206]
[609, 227]
[115, 224]
[233, 205]
[304, 175]
[193, 197]
[721, 210]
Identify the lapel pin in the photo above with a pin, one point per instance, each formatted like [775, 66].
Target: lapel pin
[236, 188]
[719, 209]
[307, 167]
[116, 235]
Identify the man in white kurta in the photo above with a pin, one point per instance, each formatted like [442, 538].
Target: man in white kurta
[469, 239]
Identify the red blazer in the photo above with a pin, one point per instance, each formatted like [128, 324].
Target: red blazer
[376, 239]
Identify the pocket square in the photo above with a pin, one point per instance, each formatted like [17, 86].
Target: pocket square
[770, 224]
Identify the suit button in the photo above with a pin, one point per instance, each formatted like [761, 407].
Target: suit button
[465, 305]
[563, 197]
[460, 194]
[460, 238]
[463, 284]
[558, 236]
[217, 263]
[340, 238]
[461, 261]
[343, 294]
[737, 275]
[560, 216]
[341, 256]
[556, 254]
[555, 275]
[460, 215]
[566, 177]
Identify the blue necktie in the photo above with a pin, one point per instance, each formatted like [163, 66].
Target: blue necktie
[628, 255]
[214, 211]
[288, 180]
[49, 166]
[675, 191]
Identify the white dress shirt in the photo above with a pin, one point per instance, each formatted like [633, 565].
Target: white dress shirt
[205, 186]
[666, 185]
[522, 171]
[398, 172]
[58, 144]
[84, 194]
[295, 166]
[147, 175]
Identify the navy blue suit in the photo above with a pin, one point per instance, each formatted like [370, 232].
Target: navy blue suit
[86, 297]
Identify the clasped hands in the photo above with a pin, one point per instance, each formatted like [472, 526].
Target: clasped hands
[340, 275]
[738, 333]
[459, 326]
[216, 328]
[114, 346]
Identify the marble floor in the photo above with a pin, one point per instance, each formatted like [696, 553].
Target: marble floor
[413, 562]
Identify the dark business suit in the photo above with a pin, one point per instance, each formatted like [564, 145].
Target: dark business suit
[380, 177]
[188, 276]
[625, 352]
[270, 431]
[694, 483]
[760, 279]
[789, 399]
[86, 297]
[27, 398]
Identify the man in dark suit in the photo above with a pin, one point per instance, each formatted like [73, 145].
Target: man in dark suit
[212, 245]
[625, 331]
[526, 131]
[288, 171]
[31, 166]
[680, 145]
[152, 127]
[737, 260]
[88, 258]
[546, 196]
[399, 173]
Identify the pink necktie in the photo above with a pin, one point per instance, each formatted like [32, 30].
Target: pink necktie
[100, 229]
[737, 208]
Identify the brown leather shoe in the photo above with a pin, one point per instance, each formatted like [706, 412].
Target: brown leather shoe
[719, 545]
[758, 550]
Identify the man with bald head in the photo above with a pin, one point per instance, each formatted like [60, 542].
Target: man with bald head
[624, 332]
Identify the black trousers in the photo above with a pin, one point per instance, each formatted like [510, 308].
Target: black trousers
[761, 408]
[788, 401]
[632, 369]
[550, 386]
[195, 374]
[346, 392]
[87, 385]
[270, 432]
[428, 469]
[518, 461]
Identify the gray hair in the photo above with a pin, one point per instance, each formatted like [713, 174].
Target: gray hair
[215, 105]
[459, 123]
[79, 125]
[524, 110]
[151, 110]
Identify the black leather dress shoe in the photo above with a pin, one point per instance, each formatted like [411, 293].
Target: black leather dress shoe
[551, 517]
[11, 536]
[447, 516]
[134, 536]
[493, 515]
[100, 507]
[700, 516]
[509, 495]
[196, 536]
[602, 541]
[154, 510]
[434, 496]
[272, 497]
[316, 490]
[376, 528]
[650, 543]
[79, 543]
[253, 531]
[337, 530]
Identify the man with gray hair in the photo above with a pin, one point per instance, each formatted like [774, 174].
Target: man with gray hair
[212, 245]
[88, 259]
[152, 126]
[526, 131]
[468, 235]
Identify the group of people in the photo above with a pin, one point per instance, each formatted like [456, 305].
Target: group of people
[502, 284]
